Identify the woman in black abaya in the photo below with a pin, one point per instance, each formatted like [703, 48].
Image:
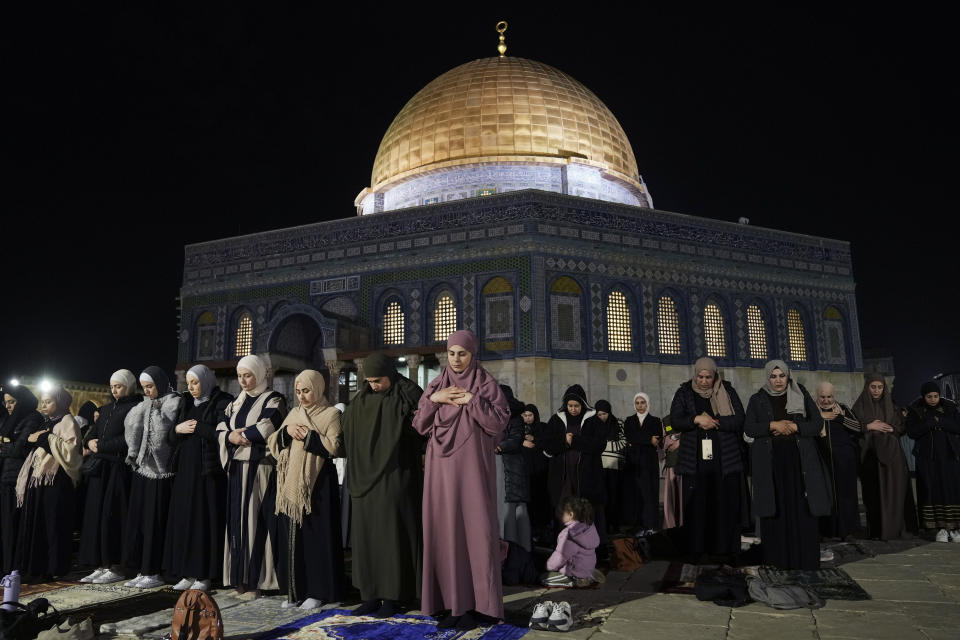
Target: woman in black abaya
[23, 419]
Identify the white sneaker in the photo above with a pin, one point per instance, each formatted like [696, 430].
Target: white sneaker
[286, 604]
[107, 577]
[183, 585]
[943, 536]
[150, 582]
[561, 619]
[826, 555]
[311, 603]
[133, 581]
[541, 614]
[201, 585]
[93, 576]
[955, 535]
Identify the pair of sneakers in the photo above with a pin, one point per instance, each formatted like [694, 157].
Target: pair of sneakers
[948, 536]
[144, 582]
[190, 583]
[551, 616]
[102, 575]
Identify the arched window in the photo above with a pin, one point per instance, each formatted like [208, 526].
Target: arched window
[244, 342]
[565, 296]
[618, 323]
[713, 331]
[444, 317]
[756, 333]
[206, 336]
[668, 327]
[796, 336]
[498, 314]
[833, 327]
[393, 323]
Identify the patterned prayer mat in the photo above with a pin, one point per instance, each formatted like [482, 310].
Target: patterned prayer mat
[84, 595]
[340, 625]
[829, 584]
[160, 620]
[681, 577]
[248, 618]
[43, 587]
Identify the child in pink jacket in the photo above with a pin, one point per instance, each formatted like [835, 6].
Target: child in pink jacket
[574, 562]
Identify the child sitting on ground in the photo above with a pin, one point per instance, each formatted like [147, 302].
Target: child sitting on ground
[574, 562]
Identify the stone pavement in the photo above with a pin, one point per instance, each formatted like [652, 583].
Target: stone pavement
[916, 596]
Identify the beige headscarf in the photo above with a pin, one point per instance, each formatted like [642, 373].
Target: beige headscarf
[719, 398]
[40, 467]
[297, 470]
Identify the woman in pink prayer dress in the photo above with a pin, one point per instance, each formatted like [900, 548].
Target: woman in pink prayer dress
[464, 413]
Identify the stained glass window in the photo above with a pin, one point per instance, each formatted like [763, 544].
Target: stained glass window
[393, 323]
[444, 317]
[244, 335]
[757, 333]
[798, 344]
[713, 332]
[618, 323]
[668, 327]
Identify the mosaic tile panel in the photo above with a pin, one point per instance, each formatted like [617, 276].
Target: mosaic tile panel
[598, 323]
[854, 325]
[740, 329]
[696, 325]
[649, 320]
[470, 303]
[539, 302]
[781, 324]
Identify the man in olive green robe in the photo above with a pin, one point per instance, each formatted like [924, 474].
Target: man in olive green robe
[385, 480]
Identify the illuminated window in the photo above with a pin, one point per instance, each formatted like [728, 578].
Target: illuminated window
[444, 318]
[668, 327]
[713, 332]
[393, 323]
[244, 335]
[798, 345]
[757, 333]
[488, 191]
[618, 323]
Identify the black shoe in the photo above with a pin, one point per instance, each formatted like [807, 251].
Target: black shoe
[367, 607]
[449, 622]
[388, 609]
[468, 622]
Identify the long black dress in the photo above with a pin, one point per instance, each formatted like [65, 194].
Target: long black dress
[936, 431]
[642, 474]
[714, 494]
[314, 549]
[840, 448]
[197, 518]
[46, 521]
[107, 477]
[24, 420]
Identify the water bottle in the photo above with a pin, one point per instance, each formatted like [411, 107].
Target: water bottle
[11, 589]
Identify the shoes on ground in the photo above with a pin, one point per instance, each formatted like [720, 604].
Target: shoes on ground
[311, 603]
[367, 607]
[826, 555]
[107, 577]
[149, 582]
[558, 581]
[561, 618]
[93, 576]
[286, 604]
[183, 585]
[943, 536]
[201, 585]
[541, 614]
[133, 581]
[955, 535]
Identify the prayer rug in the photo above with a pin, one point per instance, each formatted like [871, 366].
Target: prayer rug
[829, 584]
[79, 596]
[681, 577]
[43, 587]
[159, 620]
[249, 618]
[340, 625]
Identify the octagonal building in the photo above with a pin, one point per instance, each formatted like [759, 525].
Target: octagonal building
[505, 198]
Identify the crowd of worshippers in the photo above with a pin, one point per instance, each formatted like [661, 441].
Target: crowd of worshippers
[442, 487]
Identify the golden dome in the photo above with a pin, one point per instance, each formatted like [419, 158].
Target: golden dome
[507, 110]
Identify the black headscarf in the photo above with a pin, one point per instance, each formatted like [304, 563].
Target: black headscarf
[532, 408]
[929, 387]
[575, 392]
[87, 410]
[26, 404]
[378, 365]
[516, 407]
[160, 379]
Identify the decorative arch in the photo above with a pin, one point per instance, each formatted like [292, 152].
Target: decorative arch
[326, 326]
[566, 311]
[834, 338]
[206, 336]
[758, 331]
[619, 320]
[670, 335]
[242, 332]
[498, 314]
[715, 329]
[797, 327]
[393, 321]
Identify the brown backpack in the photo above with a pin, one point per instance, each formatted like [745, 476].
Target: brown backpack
[626, 554]
[196, 616]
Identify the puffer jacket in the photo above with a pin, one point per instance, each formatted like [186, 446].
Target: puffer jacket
[576, 552]
[149, 451]
[516, 480]
[683, 410]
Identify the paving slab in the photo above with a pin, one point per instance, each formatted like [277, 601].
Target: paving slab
[904, 590]
[870, 626]
[747, 625]
[663, 607]
[632, 630]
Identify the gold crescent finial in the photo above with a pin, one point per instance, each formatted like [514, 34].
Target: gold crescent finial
[502, 47]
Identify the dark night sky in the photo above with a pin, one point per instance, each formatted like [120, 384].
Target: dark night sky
[132, 132]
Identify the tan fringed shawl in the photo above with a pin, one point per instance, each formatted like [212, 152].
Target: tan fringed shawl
[40, 467]
[297, 469]
[719, 398]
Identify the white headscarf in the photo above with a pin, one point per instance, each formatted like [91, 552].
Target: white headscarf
[254, 365]
[643, 415]
[126, 378]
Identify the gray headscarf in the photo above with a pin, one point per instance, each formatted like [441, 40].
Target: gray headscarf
[795, 403]
[207, 382]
